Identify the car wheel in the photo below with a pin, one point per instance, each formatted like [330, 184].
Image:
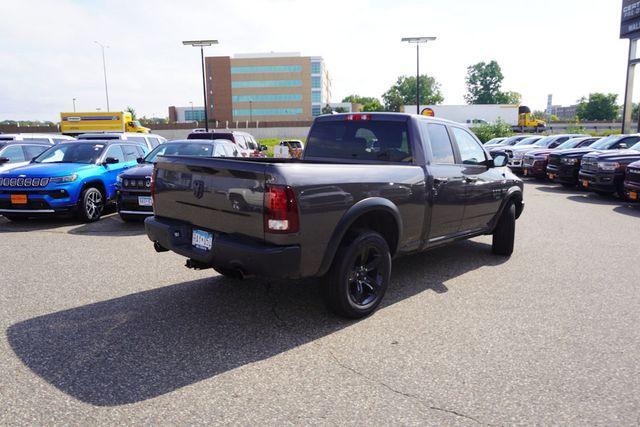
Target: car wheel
[359, 276]
[91, 205]
[505, 232]
[16, 218]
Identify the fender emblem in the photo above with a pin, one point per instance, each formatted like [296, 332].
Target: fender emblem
[198, 189]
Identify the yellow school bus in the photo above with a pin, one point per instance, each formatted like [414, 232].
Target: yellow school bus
[98, 121]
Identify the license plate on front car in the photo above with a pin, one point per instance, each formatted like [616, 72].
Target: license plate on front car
[18, 199]
[525, 172]
[633, 195]
[552, 176]
[202, 239]
[585, 183]
[145, 201]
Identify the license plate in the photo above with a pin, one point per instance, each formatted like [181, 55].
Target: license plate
[633, 195]
[526, 172]
[585, 183]
[552, 176]
[202, 239]
[145, 201]
[19, 199]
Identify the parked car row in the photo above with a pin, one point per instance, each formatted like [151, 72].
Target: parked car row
[56, 175]
[606, 166]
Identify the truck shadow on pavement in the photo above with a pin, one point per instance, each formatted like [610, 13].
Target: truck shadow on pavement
[110, 224]
[147, 344]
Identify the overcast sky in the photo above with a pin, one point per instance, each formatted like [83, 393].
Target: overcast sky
[567, 48]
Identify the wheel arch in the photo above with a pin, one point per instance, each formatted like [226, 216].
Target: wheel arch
[377, 214]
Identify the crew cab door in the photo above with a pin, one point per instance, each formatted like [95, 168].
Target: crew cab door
[445, 184]
[482, 192]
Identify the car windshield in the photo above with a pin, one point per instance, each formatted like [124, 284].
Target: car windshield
[72, 153]
[605, 142]
[528, 141]
[196, 149]
[545, 142]
[570, 144]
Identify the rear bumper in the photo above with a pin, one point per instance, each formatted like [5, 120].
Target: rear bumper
[228, 252]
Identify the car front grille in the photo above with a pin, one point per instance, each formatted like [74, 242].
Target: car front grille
[589, 164]
[136, 183]
[554, 159]
[633, 174]
[24, 182]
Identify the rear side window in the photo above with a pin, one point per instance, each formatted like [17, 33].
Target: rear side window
[369, 140]
[140, 139]
[627, 142]
[471, 152]
[14, 153]
[441, 147]
[115, 151]
[130, 153]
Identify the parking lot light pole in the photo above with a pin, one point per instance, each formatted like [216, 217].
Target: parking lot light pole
[74, 105]
[104, 70]
[417, 41]
[202, 44]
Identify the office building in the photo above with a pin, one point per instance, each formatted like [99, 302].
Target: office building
[186, 114]
[266, 87]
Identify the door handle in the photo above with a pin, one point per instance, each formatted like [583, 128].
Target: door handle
[440, 180]
[471, 179]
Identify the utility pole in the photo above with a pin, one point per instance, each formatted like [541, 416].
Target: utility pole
[104, 69]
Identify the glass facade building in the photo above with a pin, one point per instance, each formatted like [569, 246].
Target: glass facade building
[266, 87]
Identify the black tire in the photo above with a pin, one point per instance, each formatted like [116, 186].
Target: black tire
[91, 205]
[16, 218]
[359, 275]
[505, 232]
[568, 185]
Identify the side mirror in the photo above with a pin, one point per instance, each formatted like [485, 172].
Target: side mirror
[110, 161]
[4, 160]
[140, 160]
[499, 161]
[131, 124]
[264, 148]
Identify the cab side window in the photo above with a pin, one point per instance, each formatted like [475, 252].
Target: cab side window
[115, 151]
[441, 148]
[627, 142]
[471, 152]
[153, 141]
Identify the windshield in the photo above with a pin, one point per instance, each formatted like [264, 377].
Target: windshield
[545, 142]
[528, 141]
[72, 153]
[369, 140]
[570, 143]
[197, 149]
[605, 142]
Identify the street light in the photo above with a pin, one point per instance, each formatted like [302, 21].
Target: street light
[417, 41]
[202, 44]
[74, 105]
[104, 69]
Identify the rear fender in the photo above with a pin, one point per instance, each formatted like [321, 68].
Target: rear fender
[350, 217]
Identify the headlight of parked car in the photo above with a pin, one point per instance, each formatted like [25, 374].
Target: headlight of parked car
[569, 161]
[68, 178]
[608, 166]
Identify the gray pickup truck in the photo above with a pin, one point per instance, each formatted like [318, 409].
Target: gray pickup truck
[369, 187]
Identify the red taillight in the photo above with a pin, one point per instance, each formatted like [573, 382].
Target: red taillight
[353, 117]
[152, 185]
[280, 210]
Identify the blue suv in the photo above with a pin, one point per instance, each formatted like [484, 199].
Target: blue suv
[70, 178]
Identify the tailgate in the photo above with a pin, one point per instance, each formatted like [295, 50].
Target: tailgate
[216, 194]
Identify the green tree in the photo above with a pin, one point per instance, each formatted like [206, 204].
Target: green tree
[374, 105]
[403, 92]
[598, 106]
[327, 109]
[484, 85]
[357, 99]
[131, 110]
[340, 110]
[486, 132]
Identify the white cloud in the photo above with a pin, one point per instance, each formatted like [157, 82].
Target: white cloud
[47, 54]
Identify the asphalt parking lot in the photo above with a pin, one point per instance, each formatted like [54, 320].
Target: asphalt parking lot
[98, 328]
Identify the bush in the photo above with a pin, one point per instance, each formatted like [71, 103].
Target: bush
[487, 132]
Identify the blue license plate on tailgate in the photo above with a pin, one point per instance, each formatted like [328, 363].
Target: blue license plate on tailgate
[202, 239]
